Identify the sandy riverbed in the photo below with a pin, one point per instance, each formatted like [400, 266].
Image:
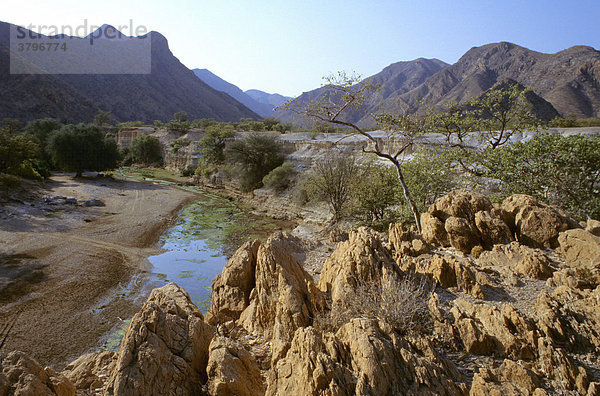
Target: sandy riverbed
[64, 268]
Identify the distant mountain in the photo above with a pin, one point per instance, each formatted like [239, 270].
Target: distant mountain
[273, 100]
[564, 83]
[221, 85]
[170, 87]
[393, 81]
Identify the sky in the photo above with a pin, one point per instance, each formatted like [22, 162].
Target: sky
[287, 46]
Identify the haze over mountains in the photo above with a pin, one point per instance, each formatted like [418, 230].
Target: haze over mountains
[569, 81]
[260, 102]
[170, 87]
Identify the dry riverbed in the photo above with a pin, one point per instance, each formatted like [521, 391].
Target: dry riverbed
[68, 273]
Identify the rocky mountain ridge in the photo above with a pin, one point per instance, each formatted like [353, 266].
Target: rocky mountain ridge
[569, 80]
[169, 88]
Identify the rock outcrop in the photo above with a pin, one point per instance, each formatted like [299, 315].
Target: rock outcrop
[22, 375]
[464, 220]
[231, 289]
[165, 349]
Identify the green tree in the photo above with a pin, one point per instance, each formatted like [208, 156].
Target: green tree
[254, 156]
[16, 151]
[270, 123]
[103, 118]
[281, 177]
[212, 143]
[561, 170]
[41, 129]
[82, 147]
[146, 149]
[179, 123]
[375, 190]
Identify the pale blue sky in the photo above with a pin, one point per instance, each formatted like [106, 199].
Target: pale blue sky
[287, 46]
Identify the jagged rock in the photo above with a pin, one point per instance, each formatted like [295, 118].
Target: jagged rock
[513, 335]
[492, 229]
[535, 223]
[580, 248]
[556, 365]
[462, 235]
[509, 379]
[23, 376]
[284, 298]
[336, 235]
[405, 242]
[231, 290]
[165, 348]
[447, 271]
[363, 358]
[433, 230]
[91, 371]
[232, 370]
[312, 365]
[570, 317]
[593, 227]
[363, 257]
[465, 220]
[522, 259]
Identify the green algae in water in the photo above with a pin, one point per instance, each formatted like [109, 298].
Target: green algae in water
[113, 340]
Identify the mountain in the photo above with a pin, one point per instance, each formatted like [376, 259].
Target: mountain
[168, 88]
[393, 81]
[273, 100]
[221, 85]
[567, 82]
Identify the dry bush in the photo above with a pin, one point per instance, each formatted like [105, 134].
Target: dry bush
[400, 301]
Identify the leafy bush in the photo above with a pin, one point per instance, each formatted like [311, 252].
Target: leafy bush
[131, 124]
[82, 147]
[281, 177]
[561, 170]
[254, 157]
[179, 123]
[376, 191]
[103, 118]
[203, 123]
[145, 149]
[189, 171]
[15, 148]
[9, 182]
[212, 144]
[179, 143]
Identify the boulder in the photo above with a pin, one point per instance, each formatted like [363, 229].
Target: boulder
[165, 348]
[406, 242]
[580, 248]
[462, 235]
[22, 375]
[492, 229]
[535, 223]
[360, 259]
[92, 202]
[91, 371]
[232, 370]
[510, 379]
[231, 290]
[593, 227]
[559, 369]
[433, 230]
[522, 259]
[460, 203]
[512, 335]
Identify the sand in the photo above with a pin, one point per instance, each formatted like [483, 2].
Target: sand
[69, 274]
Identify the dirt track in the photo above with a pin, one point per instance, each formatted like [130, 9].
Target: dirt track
[63, 268]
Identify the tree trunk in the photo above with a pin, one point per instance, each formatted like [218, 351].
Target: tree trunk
[409, 199]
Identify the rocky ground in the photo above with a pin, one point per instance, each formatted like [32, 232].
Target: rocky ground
[508, 304]
[69, 264]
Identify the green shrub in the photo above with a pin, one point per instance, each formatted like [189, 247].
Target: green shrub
[188, 172]
[9, 182]
[281, 177]
[145, 149]
[179, 143]
[254, 157]
[212, 144]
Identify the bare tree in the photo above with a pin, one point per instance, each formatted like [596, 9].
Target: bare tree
[345, 94]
